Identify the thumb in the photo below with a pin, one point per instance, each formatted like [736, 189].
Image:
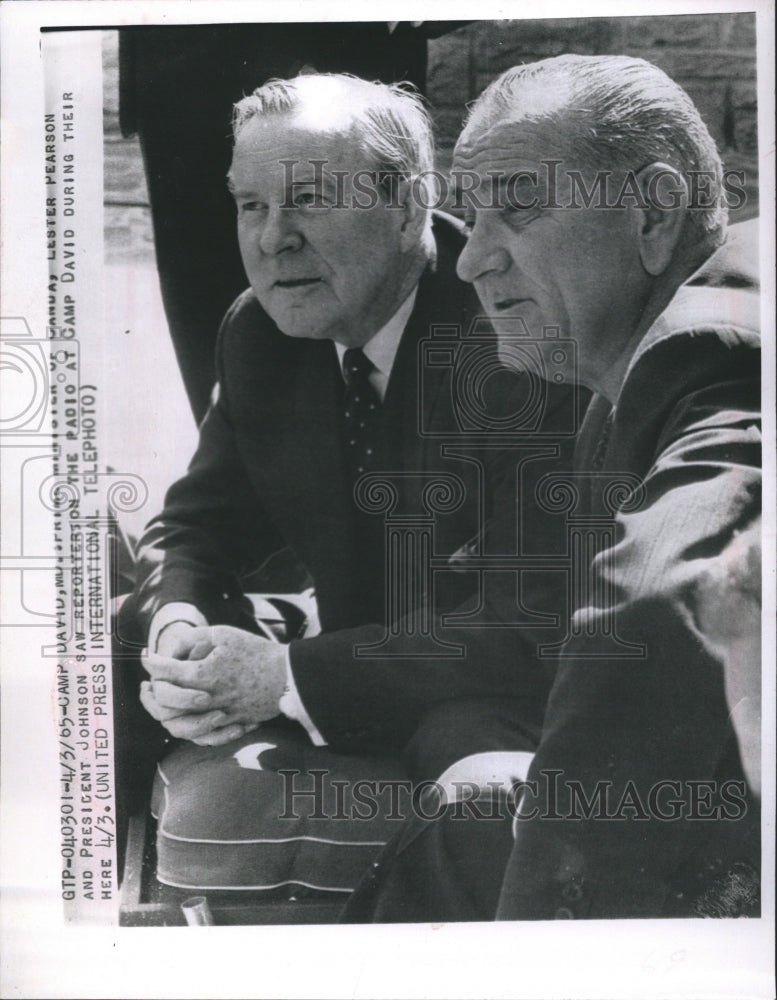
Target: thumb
[177, 640]
[199, 643]
[201, 649]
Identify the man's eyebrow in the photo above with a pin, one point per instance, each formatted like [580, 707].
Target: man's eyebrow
[299, 182]
[238, 192]
[306, 179]
[515, 178]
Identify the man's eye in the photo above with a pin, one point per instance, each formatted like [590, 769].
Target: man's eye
[251, 206]
[517, 216]
[311, 199]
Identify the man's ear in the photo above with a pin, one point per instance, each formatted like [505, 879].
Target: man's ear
[413, 214]
[662, 217]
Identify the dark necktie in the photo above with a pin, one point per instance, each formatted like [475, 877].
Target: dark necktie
[362, 414]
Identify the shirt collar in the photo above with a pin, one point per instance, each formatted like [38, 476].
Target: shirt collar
[382, 348]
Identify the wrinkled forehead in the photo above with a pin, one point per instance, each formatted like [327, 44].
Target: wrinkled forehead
[517, 143]
[548, 156]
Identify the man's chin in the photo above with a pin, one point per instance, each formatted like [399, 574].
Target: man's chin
[522, 320]
[304, 333]
[301, 327]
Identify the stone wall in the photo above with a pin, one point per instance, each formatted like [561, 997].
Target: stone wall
[711, 56]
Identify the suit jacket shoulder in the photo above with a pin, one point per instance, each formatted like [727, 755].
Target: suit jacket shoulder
[708, 335]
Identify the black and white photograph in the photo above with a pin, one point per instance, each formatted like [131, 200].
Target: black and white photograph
[388, 583]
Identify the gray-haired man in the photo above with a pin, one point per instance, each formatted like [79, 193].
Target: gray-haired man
[597, 206]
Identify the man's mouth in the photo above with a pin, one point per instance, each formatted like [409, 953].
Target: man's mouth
[503, 304]
[297, 282]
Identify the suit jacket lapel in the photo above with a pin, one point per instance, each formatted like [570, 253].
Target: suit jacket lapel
[419, 394]
[402, 441]
[300, 465]
[318, 401]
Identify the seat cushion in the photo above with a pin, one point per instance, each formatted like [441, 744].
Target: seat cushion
[271, 812]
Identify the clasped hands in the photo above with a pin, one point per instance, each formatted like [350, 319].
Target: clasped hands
[213, 684]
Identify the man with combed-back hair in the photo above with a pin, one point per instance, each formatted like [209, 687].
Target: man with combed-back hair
[596, 206]
[345, 261]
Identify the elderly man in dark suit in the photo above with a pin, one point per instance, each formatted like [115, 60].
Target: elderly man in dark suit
[597, 205]
[321, 383]
[177, 86]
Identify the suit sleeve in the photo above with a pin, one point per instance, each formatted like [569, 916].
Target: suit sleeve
[211, 532]
[635, 735]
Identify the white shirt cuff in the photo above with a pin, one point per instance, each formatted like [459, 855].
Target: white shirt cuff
[292, 707]
[176, 611]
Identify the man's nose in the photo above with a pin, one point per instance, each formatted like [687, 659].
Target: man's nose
[481, 254]
[280, 231]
